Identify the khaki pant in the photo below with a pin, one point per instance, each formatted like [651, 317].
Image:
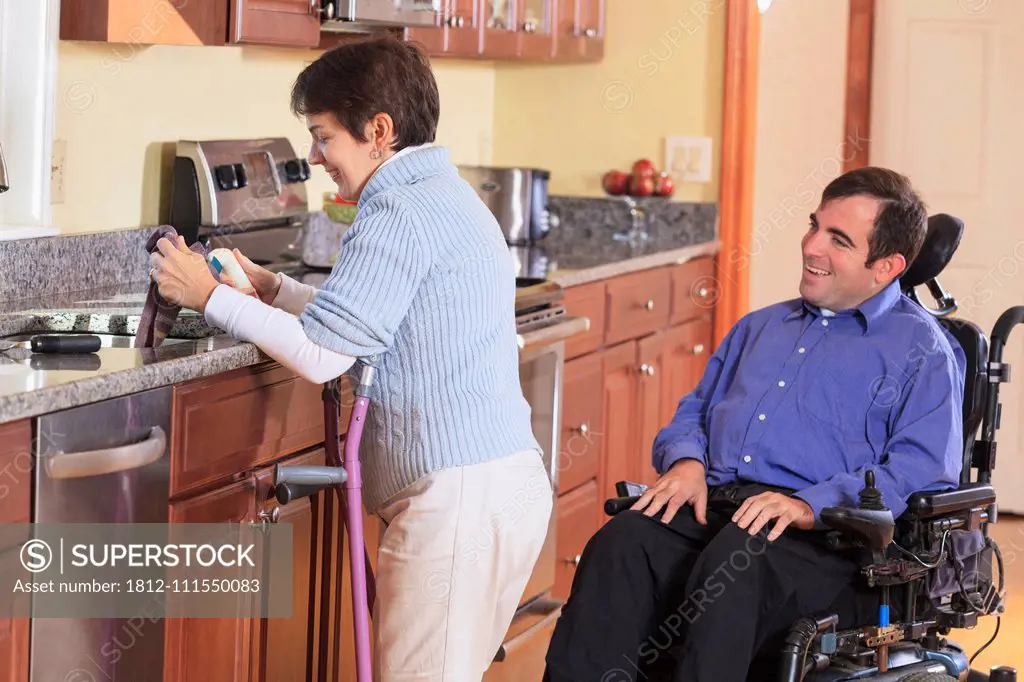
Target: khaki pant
[455, 556]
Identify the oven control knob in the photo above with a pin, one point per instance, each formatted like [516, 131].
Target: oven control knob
[293, 171]
[227, 177]
[307, 173]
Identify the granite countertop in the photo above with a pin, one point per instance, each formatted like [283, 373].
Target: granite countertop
[34, 384]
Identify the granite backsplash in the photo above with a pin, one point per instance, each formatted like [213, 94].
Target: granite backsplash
[42, 269]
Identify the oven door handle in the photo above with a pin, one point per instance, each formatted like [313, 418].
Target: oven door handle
[108, 460]
[561, 330]
[552, 610]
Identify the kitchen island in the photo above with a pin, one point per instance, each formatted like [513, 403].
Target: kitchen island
[235, 414]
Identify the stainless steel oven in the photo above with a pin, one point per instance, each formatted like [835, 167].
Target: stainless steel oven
[543, 331]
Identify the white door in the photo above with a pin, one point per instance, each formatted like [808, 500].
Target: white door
[947, 99]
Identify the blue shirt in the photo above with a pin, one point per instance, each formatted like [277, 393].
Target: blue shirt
[803, 399]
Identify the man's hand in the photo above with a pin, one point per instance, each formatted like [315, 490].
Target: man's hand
[758, 510]
[683, 483]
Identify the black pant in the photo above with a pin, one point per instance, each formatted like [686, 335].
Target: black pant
[702, 601]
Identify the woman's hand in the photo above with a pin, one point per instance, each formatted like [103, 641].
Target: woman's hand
[265, 282]
[683, 483]
[182, 276]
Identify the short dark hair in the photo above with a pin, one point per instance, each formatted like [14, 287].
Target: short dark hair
[902, 220]
[364, 77]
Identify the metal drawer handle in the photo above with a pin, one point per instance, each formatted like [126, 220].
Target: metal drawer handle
[702, 292]
[591, 32]
[698, 349]
[584, 428]
[575, 561]
[108, 460]
[456, 21]
[650, 304]
[647, 369]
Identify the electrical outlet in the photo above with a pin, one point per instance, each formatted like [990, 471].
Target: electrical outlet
[58, 159]
[688, 159]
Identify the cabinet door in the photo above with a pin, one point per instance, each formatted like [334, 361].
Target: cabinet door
[576, 525]
[456, 34]
[620, 427]
[500, 19]
[590, 29]
[579, 453]
[15, 515]
[201, 649]
[283, 647]
[293, 23]
[537, 29]
[686, 352]
[649, 402]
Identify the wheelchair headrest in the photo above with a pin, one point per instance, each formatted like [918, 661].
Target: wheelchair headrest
[940, 243]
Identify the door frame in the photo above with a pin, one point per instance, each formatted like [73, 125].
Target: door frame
[739, 130]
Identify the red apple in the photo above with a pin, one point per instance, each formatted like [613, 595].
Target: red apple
[664, 185]
[615, 182]
[641, 185]
[644, 169]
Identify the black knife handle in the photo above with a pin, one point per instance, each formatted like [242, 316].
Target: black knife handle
[65, 343]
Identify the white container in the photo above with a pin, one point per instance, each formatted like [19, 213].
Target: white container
[224, 261]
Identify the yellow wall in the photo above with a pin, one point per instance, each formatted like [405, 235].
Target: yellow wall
[661, 76]
[120, 110]
[122, 107]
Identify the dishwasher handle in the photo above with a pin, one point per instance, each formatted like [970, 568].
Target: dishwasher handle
[108, 460]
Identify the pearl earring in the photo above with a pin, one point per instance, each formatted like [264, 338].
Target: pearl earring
[376, 154]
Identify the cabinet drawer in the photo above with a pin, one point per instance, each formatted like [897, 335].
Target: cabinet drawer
[695, 289]
[577, 522]
[225, 425]
[579, 453]
[16, 466]
[638, 304]
[586, 300]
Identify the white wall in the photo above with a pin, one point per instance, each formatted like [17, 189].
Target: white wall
[800, 147]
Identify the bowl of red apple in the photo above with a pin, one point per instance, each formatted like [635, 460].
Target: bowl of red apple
[643, 180]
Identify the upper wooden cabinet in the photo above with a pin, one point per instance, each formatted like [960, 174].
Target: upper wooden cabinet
[146, 22]
[292, 23]
[498, 30]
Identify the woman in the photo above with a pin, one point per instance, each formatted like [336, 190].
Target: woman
[423, 279]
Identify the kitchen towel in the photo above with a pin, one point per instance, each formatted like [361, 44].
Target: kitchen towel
[158, 315]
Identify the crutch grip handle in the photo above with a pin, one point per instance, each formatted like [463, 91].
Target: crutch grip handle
[294, 482]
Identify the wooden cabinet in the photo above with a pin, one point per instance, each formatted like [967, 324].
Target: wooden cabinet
[291, 23]
[648, 344]
[499, 30]
[229, 432]
[147, 22]
[15, 508]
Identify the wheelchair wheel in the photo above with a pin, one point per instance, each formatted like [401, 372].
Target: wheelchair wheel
[927, 677]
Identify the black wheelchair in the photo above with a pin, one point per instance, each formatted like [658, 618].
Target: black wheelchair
[934, 563]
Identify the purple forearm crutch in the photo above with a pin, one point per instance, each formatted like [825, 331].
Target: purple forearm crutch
[292, 482]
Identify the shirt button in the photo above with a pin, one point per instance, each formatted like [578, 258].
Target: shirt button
[824, 323]
[747, 459]
[781, 384]
[761, 417]
[801, 350]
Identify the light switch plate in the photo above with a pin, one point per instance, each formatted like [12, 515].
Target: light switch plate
[688, 159]
[59, 157]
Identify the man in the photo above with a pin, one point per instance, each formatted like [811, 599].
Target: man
[722, 554]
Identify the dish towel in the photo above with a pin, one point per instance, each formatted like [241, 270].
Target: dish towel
[158, 315]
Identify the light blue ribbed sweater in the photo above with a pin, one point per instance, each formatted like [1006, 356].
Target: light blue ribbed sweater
[424, 279]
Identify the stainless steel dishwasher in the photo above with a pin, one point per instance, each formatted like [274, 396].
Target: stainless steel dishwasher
[106, 462]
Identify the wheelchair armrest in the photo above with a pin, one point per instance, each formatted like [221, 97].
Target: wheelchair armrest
[928, 505]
